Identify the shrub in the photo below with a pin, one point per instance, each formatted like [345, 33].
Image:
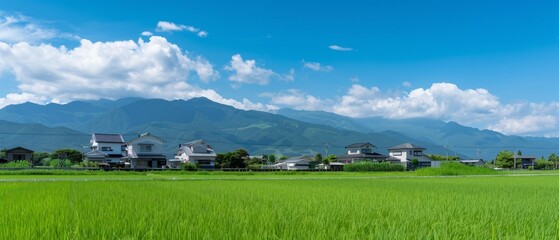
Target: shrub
[373, 167]
[16, 164]
[189, 167]
[454, 168]
[57, 163]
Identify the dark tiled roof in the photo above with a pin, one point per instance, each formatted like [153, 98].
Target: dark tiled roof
[108, 138]
[19, 149]
[358, 145]
[406, 146]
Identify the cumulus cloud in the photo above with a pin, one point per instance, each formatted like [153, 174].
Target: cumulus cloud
[246, 71]
[92, 70]
[339, 48]
[441, 100]
[147, 33]
[297, 99]
[406, 84]
[19, 28]
[317, 67]
[525, 124]
[164, 26]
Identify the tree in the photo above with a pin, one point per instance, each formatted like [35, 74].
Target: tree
[519, 153]
[553, 158]
[39, 156]
[330, 158]
[505, 159]
[415, 163]
[272, 158]
[73, 155]
[234, 159]
[318, 157]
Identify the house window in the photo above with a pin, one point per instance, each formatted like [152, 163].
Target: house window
[145, 148]
[18, 157]
[366, 151]
[417, 153]
[106, 149]
[204, 162]
[353, 151]
[398, 153]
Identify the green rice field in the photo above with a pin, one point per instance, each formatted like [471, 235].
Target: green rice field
[307, 206]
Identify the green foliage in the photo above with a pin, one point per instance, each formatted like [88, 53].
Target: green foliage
[60, 163]
[330, 158]
[188, 166]
[438, 157]
[72, 155]
[88, 164]
[454, 169]
[373, 167]
[318, 157]
[234, 159]
[39, 156]
[543, 164]
[16, 164]
[505, 159]
[272, 158]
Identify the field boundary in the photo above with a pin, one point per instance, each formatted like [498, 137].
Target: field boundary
[80, 178]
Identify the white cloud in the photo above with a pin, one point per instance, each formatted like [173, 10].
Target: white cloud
[406, 84]
[202, 34]
[147, 33]
[247, 72]
[290, 76]
[442, 100]
[317, 67]
[93, 70]
[164, 26]
[339, 48]
[298, 100]
[525, 124]
[19, 28]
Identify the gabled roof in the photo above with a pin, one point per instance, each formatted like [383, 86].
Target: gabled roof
[144, 135]
[107, 138]
[407, 146]
[195, 142]
[523, 157]
[359, 145]
[19, 148]
[96, 153]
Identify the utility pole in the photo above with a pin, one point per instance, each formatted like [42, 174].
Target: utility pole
[326, 148]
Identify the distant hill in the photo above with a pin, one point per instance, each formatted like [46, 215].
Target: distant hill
[225, 127]
[40, 138]
[469, 141]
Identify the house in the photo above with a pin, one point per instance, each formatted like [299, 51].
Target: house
[107, 148]
[198, 152]
[524, 161]
[294, 163]
[473, 162]
[146, 151]
[358, 152]
[405, 154]
[18, 154]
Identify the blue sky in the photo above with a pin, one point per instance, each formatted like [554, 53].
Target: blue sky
[487, 64]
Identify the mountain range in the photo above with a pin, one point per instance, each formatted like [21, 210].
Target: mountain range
[287, 132]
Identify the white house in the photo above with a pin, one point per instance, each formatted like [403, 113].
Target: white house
[106, 148]
[198, 152]
[358, 152]
[146, 151]
[405, 153]
[294, 163]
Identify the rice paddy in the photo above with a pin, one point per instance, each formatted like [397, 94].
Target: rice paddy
[331, 206]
